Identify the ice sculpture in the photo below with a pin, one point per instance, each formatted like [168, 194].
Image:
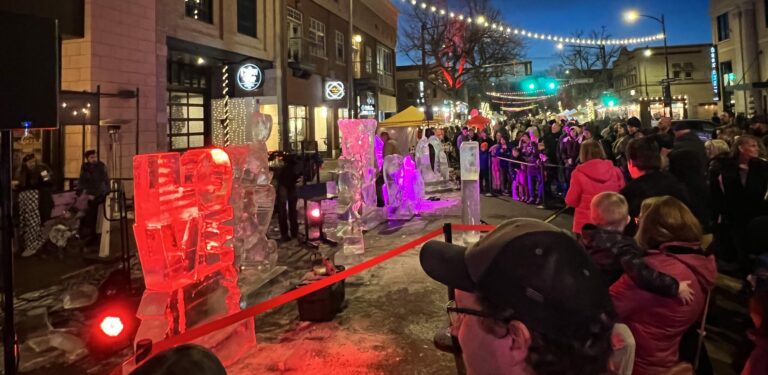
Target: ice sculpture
[404, 187]
[182, 203]
[435, 177]
[357, 183]
[470, 189]
[253, 197]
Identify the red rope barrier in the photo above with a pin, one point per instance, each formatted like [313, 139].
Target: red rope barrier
[197, 332]
[467, 228]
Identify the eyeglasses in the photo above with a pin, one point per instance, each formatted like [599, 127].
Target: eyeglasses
[498, 327]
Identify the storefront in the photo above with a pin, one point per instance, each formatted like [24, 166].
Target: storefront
[198, 78]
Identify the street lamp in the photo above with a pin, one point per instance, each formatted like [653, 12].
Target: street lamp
[632, 16]
[648, 52]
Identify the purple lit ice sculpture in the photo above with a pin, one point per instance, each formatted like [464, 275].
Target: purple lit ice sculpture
[253, 197]
[404, 187]
[357, 183]
[435, 177]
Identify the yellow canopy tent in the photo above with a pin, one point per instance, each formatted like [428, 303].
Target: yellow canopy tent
[402, 127]
[410, 116]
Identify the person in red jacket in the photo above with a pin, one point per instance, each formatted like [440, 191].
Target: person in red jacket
[669, 228]
[593, 176]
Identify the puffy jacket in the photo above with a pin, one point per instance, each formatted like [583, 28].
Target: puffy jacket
[656, 322]
[589, 179]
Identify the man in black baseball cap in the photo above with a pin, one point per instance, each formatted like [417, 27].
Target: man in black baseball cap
[535, 302]
[633, 127]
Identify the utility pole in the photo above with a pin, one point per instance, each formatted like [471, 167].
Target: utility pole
[424, 74]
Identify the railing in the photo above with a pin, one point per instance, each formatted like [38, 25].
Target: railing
[547, 173]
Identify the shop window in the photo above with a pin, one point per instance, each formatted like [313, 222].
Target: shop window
[201, 10]
[246, 17]
[339, 48]
[723, 27]
[295, 20]
[297, 125]
[186, 120]
[317, 37]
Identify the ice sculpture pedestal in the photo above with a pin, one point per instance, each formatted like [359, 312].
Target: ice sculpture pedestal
[470, 189]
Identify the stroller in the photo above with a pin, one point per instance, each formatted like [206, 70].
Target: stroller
[65, 219]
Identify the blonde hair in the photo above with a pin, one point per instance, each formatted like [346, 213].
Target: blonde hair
[532, 130]
[591, 150]
[666, 219]
[609, 209]
[716, 147]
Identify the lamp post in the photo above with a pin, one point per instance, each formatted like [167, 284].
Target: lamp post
[632, 16]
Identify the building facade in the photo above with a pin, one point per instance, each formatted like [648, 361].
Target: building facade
[740, 33]
[159, 71]
[637, 76]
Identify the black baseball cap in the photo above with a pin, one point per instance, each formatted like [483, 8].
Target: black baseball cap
[533, 268]
[634, 122]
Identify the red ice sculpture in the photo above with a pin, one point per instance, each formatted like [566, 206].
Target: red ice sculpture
[182, 203]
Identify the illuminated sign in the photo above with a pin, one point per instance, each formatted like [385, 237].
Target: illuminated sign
[714, 75]
[334, 90]
[368, 107]
[249, 77]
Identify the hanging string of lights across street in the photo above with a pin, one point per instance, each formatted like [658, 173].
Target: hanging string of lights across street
[483, 22]
[514, 97]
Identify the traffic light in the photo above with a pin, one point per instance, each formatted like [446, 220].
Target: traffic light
[529, 85]
[610, 100]
[550, 85]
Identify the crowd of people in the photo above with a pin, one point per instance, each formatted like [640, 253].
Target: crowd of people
[659, 211]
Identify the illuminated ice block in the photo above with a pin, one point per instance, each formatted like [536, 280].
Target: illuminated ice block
[357, 183]
[253, 197]
[182, 203]
[404, 187]
[470, 189]
[435, 177]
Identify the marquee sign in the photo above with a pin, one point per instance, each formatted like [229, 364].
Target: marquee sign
[714, 75]
[249, 77]
[334, 90]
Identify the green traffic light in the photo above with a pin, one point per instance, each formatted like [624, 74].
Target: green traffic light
[531, 86]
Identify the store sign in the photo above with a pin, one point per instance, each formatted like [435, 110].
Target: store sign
[249, 77]
[368, 106]
[714, 76]
[334, 90]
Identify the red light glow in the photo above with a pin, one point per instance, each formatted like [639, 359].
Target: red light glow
[112, 326]
[315, 213]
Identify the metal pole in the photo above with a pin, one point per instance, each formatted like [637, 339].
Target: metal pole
[424, 70]
[667, 99]
[6, 252]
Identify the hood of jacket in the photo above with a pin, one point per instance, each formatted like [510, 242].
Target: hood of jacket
[598, 170]
[691, 255]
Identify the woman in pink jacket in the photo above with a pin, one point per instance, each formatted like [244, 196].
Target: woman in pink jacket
[593, 176]
[672, 234]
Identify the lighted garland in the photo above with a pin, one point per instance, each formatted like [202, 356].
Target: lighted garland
[481, 21]
[514, 97]
[225, 93]
[518, 109]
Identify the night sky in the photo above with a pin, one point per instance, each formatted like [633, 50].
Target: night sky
[688, 21]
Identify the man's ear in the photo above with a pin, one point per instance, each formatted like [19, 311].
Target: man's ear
[520, 341]
[629, 218]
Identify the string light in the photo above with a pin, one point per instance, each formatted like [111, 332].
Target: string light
[518, 109]
[514, 97]
[481, 21]
[225, 93]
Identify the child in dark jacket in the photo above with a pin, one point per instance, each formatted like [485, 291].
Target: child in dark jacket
[616, 254]
[485, 167]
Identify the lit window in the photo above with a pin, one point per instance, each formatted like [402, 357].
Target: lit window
[201, 10]
[317, 36]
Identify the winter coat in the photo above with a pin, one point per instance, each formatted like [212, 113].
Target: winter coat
[651, 184]
[688, 163]
[94, 179]
[589, 179]
[569, 149]
[757, 364]
[616, 254]
[551, 144]
[737, 203]
[658, 323]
